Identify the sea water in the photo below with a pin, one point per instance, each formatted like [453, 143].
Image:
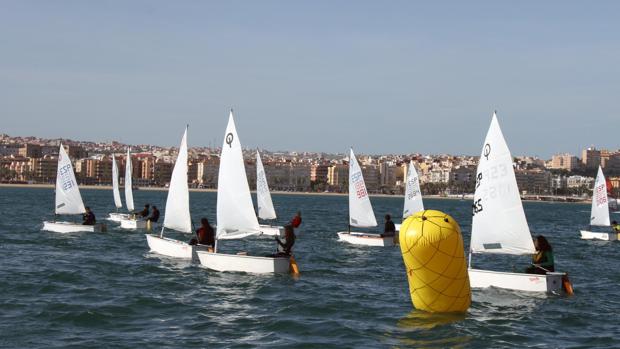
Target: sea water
[107, 290]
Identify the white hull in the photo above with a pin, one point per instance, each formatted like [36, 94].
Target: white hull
[552, 282]
[172, 248]
[593, 235]
[69, 227]
[272, 230]
[242, 263]
[365, 239]
[133, 224]
[117, 217]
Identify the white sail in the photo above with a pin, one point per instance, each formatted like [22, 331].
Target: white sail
[68, 198]
[128, 183]
[600, 203]
[115, 190]
[177, 204]
[413, 195]
[235, 211]
[498, 224]
[360, 208]
[263, 196]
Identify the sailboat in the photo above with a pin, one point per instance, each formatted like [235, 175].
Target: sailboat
[177, 216]
[613, 202]
[599, 215]
[68, 199]
[266, 210]
[116, 216]
[413, 195]
[235, 214]
[361, 214]
[131, 221]
[499, 225]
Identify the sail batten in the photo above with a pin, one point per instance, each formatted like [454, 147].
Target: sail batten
[115, 191]
[68, 199]
[235, 212]
[128, 183]
[599, 214]
[499, 224]
[413, 195]
[177, 216]
[263, 196]
[360, 209]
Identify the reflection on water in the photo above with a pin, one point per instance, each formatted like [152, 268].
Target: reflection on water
[421, 320]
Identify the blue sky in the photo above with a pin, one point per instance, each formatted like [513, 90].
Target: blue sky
[383, 77]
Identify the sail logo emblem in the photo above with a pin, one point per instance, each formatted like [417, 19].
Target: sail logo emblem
[229, 139]
[65, 177]
[412, 192]
[261, 184]
[601, 195]
[487, 151]
[358, 183]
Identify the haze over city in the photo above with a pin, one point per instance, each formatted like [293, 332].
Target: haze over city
[399, 77]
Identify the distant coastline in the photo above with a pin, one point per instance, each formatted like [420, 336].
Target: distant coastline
[109, 187]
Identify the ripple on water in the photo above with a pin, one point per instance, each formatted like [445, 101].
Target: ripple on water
[106, 290]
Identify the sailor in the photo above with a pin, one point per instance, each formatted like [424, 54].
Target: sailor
[289, 241]
[154, 217]
[615, 226]
[204, 235]
[88, 218]
[542, 261]
[389, 229]
[144, 213]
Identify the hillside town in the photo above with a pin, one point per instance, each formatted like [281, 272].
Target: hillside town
[31, 160]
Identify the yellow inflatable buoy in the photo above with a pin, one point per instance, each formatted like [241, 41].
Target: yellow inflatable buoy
[432, 248]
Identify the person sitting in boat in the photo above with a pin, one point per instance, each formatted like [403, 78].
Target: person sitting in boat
[144, 213]
[88, 218]
[154, 217]
[615, 226]
[204, 235]
[389, 229]
[542, 261]
[296, 221]
[289, 241]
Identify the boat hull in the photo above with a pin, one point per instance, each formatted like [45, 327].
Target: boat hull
[134, 224]
[365, 239]
[243, 263]
[70, 227]
[594, 235]
[117, 217]
[551, 282]
[272, 230]
[173, 248]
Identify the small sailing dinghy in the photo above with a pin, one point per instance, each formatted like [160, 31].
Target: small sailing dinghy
[266, 211]
[361, 214]
[131, 222]
[413, 195]
[235, 214]
[116, 216]
[499, 225]
[68, 199]
[177, 216]
[599, 215]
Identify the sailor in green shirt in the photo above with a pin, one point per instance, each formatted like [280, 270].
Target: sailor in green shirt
[542, 261]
